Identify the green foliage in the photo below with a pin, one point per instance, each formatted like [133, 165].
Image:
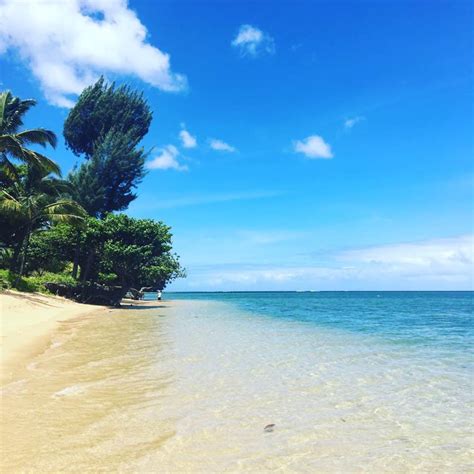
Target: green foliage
[105, 182]
[14, 143]
[50, 250]
[103, 108]
[105, 126]
[107, 278]
[45, 234]
[132, 252]
[5, 279]
[37, 282]
[32, 284]
[132, 244]
[33, 202]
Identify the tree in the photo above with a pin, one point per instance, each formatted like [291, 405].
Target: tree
[106, 182]
[102, 109]
[51, 249]
[34, 202]
[106, 126]
[132, 247]
[14, 143]
[131, 252]
[160, 271]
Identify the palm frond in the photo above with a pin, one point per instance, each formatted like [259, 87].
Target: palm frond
[55, 186]
[64, 206]
[8, 203]
[13, 146]
[12, 111]
[65, 218]
[44, 162]
[8, 143]
[38, 136]
[4, 99]
[8, 168]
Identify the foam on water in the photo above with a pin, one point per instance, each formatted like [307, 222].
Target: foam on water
[67, 391]
[191, 388]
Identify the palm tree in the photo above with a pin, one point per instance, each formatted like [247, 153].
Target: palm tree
[14, 143]
[34, 199]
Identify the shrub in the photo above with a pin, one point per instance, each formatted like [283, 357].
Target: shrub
[37, 282]
[107, 278]
[5, 280]
[33, 283]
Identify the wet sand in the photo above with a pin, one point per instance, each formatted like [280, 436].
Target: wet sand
[190, 386]
[27, 321]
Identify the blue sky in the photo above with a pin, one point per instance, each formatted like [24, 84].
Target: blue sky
[295, 145]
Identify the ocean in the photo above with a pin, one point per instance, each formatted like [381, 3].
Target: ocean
[351, 381]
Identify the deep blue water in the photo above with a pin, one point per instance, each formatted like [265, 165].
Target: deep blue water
[442, 319]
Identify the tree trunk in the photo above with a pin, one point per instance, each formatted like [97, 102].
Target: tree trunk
[125, 287]
[26, 243]
[77, 253]
[15, 256]
[23, 253]
[87, 267]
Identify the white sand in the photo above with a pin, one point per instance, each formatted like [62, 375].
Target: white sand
[27, 321]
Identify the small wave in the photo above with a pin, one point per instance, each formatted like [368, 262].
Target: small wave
[72, 390]
[12, 386]
[32, 366]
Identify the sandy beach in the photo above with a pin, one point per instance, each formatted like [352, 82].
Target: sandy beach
[190, 384]
[27, 321]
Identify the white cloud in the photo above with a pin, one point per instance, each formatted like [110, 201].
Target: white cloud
[313, 147]
[187, 140]
[350, 122]
[437, 264]
[220, 145]
[68, 43]
[252, 277]
[252, 41]
[167, 159]
[451, 253]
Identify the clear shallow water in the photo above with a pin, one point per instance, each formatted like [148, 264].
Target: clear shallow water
[420, 318]
[354, 382]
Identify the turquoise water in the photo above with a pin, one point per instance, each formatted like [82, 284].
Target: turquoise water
[434, 319]
[353, 382]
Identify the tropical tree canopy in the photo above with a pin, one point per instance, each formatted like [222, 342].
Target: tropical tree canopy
[118, 250]
[103, 108]
[106, 126]
[33, 202]
[48, 224]
[14, 143]
[106, 182]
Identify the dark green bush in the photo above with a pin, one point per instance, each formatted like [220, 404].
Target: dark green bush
[5, 280]
[33, 283]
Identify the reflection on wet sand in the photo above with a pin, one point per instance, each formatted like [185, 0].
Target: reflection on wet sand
[91, 401]
[201, 386]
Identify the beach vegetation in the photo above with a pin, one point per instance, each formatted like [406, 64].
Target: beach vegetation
[33, 201]
[32, 283]
[105, 127]
[66, 234]
[103, 108]
[15, 143]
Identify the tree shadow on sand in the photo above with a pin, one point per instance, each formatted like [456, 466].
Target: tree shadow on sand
[132, 306]
[32, 297]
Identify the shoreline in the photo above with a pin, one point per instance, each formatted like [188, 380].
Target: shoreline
[29, 320]
[192, 385]
[27, 323]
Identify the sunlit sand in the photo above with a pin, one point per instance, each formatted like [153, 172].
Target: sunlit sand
[190, 386]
